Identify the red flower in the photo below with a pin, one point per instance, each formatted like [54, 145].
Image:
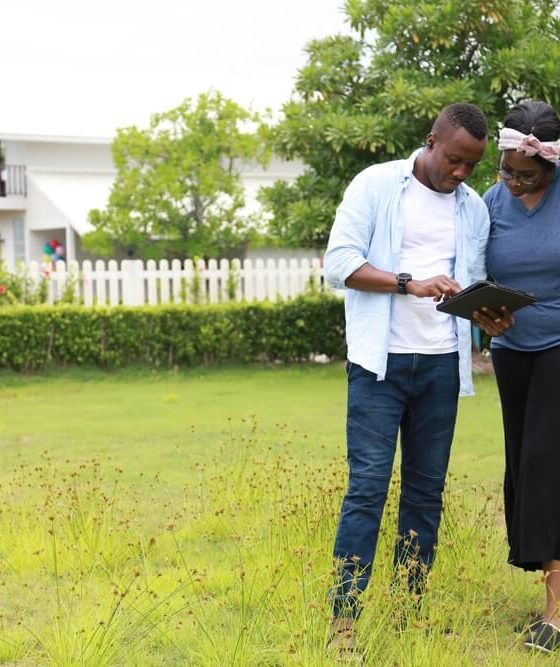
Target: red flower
[2, 289]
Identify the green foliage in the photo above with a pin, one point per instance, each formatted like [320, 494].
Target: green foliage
[372, 96]
[70, 291]
[167, 336]
[178, 191]
[196, 283]
[232, 283]
[18, 287]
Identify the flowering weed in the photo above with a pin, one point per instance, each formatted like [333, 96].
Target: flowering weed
[141, 531]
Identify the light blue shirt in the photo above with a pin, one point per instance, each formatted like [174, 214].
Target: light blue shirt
[368, 228]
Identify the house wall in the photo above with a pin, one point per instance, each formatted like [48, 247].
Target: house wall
[82, 155]
[6, 233]
[41, 212]
[44, 222]
[70, 155]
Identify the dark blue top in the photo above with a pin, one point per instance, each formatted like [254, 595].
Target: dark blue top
[524, 252]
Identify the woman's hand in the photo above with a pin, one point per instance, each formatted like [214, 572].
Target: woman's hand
[494, 324]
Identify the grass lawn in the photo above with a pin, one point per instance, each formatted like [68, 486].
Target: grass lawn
[155, 518]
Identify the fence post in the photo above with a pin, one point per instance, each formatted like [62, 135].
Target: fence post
[189, 280]
[87, 282]
[304, 275]
[176, 276]
[202, 273]
[132, 282]
[235, 281]
[151, 282]
[270, 287]
[114, 274]
[100, 282]
[59, 277]
[72, 284]
[316, 274]
[164, 277]
[249, 281]
[293, 278]
[283, 290]
[223, 281]
[212, 281]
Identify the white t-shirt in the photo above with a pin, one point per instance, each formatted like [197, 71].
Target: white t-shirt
[428, 249]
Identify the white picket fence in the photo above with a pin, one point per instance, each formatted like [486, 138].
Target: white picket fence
[134, 283]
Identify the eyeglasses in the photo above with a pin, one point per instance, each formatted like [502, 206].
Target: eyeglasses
[525, 181]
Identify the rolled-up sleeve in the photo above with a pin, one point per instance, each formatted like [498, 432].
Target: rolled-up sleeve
[352, 231]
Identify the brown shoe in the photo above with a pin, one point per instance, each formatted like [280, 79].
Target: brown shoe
[343, 642]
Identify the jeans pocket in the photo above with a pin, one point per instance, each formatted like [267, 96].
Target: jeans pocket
[352, 370]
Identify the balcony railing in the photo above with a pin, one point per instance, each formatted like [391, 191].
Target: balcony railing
[13, 180]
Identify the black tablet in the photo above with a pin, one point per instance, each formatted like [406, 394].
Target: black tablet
[485, 293]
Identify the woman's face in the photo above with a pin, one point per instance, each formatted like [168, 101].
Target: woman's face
[522, 175]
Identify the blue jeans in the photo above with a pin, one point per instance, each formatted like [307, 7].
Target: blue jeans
[419, 395]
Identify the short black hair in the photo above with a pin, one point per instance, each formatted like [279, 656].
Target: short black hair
[465, 115]
[537, 118]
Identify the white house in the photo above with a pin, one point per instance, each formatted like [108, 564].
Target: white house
[48, 185]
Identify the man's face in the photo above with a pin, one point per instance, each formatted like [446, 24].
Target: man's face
[452, 157]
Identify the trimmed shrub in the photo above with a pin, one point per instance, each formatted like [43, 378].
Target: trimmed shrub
[297, 330]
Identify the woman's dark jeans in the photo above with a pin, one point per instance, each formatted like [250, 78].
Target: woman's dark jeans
[418, 396]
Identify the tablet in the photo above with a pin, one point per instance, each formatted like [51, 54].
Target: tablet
[485, 293]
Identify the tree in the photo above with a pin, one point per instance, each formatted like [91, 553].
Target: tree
[372, 96]
[178, 192]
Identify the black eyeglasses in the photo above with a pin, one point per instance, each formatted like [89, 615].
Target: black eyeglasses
[525, 181]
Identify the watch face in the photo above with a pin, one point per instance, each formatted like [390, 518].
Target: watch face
[402, 280]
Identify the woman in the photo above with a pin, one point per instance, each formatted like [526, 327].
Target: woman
[524, 252]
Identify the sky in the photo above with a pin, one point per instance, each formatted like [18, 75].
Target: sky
[87, 67]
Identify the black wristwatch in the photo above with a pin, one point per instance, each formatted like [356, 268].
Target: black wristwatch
[402, 280]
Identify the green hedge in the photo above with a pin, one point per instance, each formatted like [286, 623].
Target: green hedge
[34, 336]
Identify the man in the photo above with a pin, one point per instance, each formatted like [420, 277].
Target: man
[407, 234]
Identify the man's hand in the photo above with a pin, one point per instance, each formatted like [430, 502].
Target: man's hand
[494, 324]
[439, 287]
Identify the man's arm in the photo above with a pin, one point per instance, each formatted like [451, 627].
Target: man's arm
[351, 233]
[346, 262]
[369, 279]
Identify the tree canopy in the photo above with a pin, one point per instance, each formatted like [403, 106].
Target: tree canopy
[178, 191]
[372, 96]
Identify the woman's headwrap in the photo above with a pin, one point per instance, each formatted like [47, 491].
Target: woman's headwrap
[511, 139]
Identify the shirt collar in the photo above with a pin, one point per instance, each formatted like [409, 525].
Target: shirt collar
[408, 166]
